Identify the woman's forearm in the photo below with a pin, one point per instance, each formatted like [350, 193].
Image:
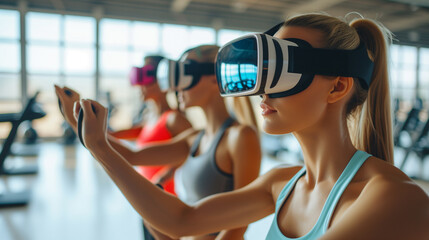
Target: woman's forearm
[151, 155]
[128, 134]
[123, 150]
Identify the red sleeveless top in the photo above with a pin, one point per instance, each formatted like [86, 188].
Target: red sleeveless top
[155, 133]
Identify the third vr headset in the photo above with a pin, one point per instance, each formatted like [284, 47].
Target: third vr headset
[261, 64]
[142, 75]
[181, 75]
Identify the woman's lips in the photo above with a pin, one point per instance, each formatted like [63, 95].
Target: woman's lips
[267, 110]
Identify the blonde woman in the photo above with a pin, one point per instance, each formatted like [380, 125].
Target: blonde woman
[335, 76]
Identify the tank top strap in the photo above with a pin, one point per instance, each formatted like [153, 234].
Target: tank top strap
[337, 190]
[216, 139]
[288, 188]
[196, 143]
[343, 181]
[219, 134]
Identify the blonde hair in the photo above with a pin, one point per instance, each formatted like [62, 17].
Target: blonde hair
[368, 111]
[241, 106]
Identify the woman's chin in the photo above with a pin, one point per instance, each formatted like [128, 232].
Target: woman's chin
[274, 130]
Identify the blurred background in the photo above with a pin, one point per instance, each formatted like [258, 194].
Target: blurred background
[90, 46]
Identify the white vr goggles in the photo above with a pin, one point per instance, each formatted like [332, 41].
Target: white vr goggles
[261, 64]
[181, 75]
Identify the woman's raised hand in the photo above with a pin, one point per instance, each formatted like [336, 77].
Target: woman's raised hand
[92, 124]
[66, 99]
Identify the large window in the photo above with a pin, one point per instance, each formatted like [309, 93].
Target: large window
[177, 38]
[10, 57]
[424, 73]
[10, 65]
[226, 35]
[123, 45]
[403, 75]
[201, 35]
[60, 50]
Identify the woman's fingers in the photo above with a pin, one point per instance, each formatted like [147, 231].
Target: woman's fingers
[93, 122]
[97, 107]
[66, 100]
[76, 109]
[66, 94]
[59, 93]
[88, 109]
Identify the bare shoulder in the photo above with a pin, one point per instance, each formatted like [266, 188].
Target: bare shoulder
[388, 200]
[386, 180]
[177, 122]
[242, 137]
[244, 150]
[242, 130]
[385, 177]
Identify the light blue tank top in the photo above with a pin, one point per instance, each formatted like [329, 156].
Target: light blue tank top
[325, 216]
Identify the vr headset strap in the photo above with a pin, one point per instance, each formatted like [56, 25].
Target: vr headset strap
[199, 69]
[345, 63]
[151, 73]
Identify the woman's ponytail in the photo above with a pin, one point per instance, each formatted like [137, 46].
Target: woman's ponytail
[373, 131]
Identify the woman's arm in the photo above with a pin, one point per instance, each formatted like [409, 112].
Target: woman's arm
[127, 134]
[172, 152]
[171, 216]
[164, 211]
[245, 151]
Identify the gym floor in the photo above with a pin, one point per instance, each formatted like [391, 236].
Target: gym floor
[73, 198]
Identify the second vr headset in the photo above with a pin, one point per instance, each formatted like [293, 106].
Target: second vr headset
[258, 64]
[142, 75]
[181, 75]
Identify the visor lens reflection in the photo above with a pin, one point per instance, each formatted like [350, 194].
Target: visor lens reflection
[237, 68]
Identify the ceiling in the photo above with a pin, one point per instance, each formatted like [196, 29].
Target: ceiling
[407, 19]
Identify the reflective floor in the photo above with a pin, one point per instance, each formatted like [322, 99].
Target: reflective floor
[73, 198]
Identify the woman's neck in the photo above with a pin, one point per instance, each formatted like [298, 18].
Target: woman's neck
[216, 114]
[327, 149]
[162, 105]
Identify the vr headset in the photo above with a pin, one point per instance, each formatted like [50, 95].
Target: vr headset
[258, 64]
[181, 75]
[142, 75]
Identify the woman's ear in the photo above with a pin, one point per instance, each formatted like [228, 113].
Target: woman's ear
[341, 88]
